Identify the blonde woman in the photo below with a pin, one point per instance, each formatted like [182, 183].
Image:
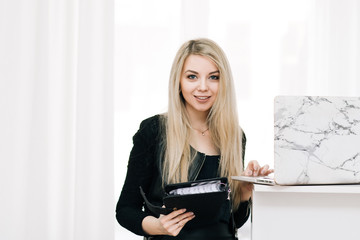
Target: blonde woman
[198, 138]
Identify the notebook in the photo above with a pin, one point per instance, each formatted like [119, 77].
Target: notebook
[205, 198]
[316, 140]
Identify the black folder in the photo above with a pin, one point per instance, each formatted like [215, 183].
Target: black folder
[206, 205]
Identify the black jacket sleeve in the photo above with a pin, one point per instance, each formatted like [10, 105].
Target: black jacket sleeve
[242, 214]
[129, 209]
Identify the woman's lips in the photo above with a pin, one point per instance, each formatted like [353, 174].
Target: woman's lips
[202, 98]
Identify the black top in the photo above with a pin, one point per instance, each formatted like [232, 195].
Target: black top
[210, 167]
[143, 170]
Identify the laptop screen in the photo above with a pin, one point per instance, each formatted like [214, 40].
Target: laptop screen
[316, 139]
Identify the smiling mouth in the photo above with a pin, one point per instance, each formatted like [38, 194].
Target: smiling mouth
[202, 98]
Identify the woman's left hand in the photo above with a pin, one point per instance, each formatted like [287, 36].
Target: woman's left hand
[253, 169]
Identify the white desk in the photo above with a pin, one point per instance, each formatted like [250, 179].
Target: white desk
[329, 212]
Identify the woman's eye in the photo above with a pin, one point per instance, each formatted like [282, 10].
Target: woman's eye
[192, 76]
[214, 77]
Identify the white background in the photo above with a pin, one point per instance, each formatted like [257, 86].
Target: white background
[78, 76]
[280, 47]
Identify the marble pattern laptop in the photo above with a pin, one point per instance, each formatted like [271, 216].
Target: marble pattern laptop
[316, 140]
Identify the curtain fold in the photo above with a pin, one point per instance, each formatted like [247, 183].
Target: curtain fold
[56, 125]
[334, 52]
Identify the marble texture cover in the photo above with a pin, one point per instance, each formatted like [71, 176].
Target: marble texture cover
[317, 140]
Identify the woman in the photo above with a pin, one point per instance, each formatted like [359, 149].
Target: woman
[198, 138]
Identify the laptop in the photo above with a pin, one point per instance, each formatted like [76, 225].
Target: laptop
[316, 140]
[264, 180]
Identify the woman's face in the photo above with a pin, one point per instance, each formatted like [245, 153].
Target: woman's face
[199, 83]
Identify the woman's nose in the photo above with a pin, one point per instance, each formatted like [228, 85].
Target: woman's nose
[202, 85]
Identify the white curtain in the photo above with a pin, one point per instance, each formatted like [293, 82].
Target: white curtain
[56, 124]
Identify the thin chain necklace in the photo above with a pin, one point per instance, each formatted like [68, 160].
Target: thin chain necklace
[202, 132]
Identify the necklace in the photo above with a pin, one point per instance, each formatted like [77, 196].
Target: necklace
[202, 132]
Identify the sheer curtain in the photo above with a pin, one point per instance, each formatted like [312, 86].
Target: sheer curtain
[56, 124]
[279, 47]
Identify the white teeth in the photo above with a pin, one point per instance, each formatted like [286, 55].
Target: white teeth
[202, 98]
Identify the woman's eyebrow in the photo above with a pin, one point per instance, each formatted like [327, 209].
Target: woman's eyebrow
[192, 71]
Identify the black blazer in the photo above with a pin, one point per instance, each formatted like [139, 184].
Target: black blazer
[144, 169]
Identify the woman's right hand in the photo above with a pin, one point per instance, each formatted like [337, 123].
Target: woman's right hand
[175, 221]
[170, 224]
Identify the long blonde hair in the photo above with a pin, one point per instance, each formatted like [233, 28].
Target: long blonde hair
[222, 120]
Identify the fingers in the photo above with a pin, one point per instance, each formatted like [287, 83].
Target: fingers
[254, 169]
[179, 222]
[175, 221]
[264, 169]
[269, 171]
[184, 219]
